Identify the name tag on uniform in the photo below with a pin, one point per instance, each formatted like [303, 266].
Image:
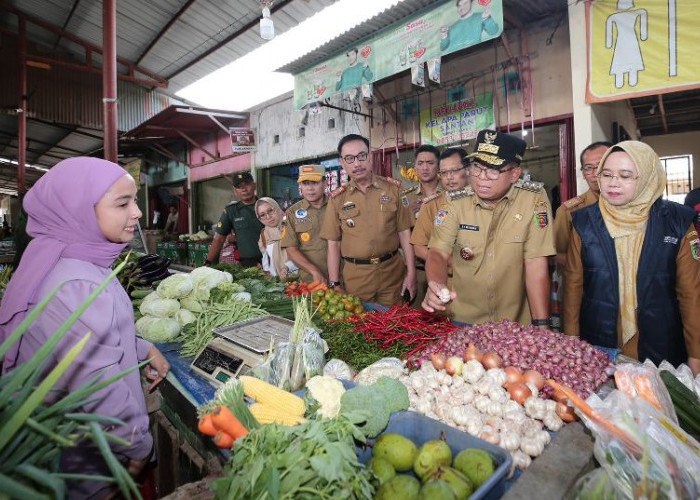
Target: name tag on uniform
[468, 227]
[238, 219]
[348, 206]
[671, 240]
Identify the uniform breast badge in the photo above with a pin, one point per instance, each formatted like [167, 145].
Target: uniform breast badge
[350, 223]
[305, 237]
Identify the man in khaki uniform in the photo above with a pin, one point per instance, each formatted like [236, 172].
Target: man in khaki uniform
[300, 235]
[499, 234]
[453, 176]
[365, 223]
[426, 162]
[590, 157]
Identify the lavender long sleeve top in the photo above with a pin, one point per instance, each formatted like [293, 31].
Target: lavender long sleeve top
[112, 347]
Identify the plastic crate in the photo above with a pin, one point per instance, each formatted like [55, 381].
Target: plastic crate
[419, 429]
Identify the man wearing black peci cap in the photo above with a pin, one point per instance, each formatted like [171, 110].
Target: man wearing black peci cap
[240, 220]
[498, 231]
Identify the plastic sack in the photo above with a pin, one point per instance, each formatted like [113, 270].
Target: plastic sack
[264, 371]
[683, 372]
[312, 353]
[339, 369]
[385, 367]
[296, 377]
[282, 365]
[641, 449]
[596, 485]
[643, 381]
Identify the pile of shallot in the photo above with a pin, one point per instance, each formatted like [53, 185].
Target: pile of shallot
[533, 353]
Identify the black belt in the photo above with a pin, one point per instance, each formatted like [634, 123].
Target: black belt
[372, 260]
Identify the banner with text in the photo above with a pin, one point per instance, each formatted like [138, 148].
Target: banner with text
[242, 140]
[640, 48]
[442, 30]
[456, 122]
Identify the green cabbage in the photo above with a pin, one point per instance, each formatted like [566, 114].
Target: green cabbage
[175, 286]
[156, 329]
[208, 276]
[191, 304]
[162, 308]
[184, 317]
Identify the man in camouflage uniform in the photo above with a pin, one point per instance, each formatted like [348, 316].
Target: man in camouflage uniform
[590, 157]
[300, 235]
[239, 219]
[365, 223]
[499, 235]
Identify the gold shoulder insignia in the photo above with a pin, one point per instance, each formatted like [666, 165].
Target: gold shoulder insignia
[338, 191]
[395, 182]
[408, 190]
[574, 202]
[533, 186]
[459, 193]
[431, 197]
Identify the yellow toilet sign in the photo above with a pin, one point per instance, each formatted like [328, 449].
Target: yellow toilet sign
[641, 47]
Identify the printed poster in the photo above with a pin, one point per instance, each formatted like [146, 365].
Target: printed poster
[456, 122]
[444, 29]
[242, 140]
[641, 47]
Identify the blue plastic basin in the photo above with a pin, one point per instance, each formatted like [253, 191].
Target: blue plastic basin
[419, 429]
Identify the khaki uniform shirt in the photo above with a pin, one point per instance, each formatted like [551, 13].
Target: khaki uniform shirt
[302, 230]
[490, 284]
[367, 225]
[426, 219]
[562, 221]
[416, 198]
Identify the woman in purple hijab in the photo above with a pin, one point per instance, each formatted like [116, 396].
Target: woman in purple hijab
[81, 214]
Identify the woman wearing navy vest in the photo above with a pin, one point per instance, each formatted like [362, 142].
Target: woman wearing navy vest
[632, 276]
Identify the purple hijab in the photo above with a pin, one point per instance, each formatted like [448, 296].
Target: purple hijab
[62, 222]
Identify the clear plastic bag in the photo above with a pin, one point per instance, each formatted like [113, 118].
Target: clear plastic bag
[385, 367]
[339, 369]
[264, 371]
[643, 381]
[296, 378]
[282, 364]
[596, 485]
[312, 353]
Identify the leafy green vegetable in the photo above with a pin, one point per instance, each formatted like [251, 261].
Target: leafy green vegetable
[312, 460]
[175, 286]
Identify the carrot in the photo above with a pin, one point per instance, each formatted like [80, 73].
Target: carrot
[206, 425]
[644, 389]
[586, 409]
[223, 440]
[226, 421]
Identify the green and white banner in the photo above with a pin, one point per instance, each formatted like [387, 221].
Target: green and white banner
[449, 27]
[456, 122]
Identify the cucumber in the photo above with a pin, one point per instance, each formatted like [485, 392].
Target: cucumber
[685, 402]
[140, 293]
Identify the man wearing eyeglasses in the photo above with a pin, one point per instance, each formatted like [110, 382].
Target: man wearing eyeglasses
[590, 157]
[239, 218]
[365, 224]
[499, 235]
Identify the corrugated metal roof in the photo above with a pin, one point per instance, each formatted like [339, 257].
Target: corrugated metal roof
[524, 11]
[202, 26]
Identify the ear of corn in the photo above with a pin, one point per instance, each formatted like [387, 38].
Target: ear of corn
[267, 414]
[262, 392]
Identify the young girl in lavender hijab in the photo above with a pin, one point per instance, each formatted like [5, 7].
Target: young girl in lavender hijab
[81, 214]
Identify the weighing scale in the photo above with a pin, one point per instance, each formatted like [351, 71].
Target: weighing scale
[240, 346]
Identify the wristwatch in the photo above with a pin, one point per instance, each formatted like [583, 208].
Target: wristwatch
[540, 322]
[333, 284]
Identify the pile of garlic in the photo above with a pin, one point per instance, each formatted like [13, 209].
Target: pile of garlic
[475, 402]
